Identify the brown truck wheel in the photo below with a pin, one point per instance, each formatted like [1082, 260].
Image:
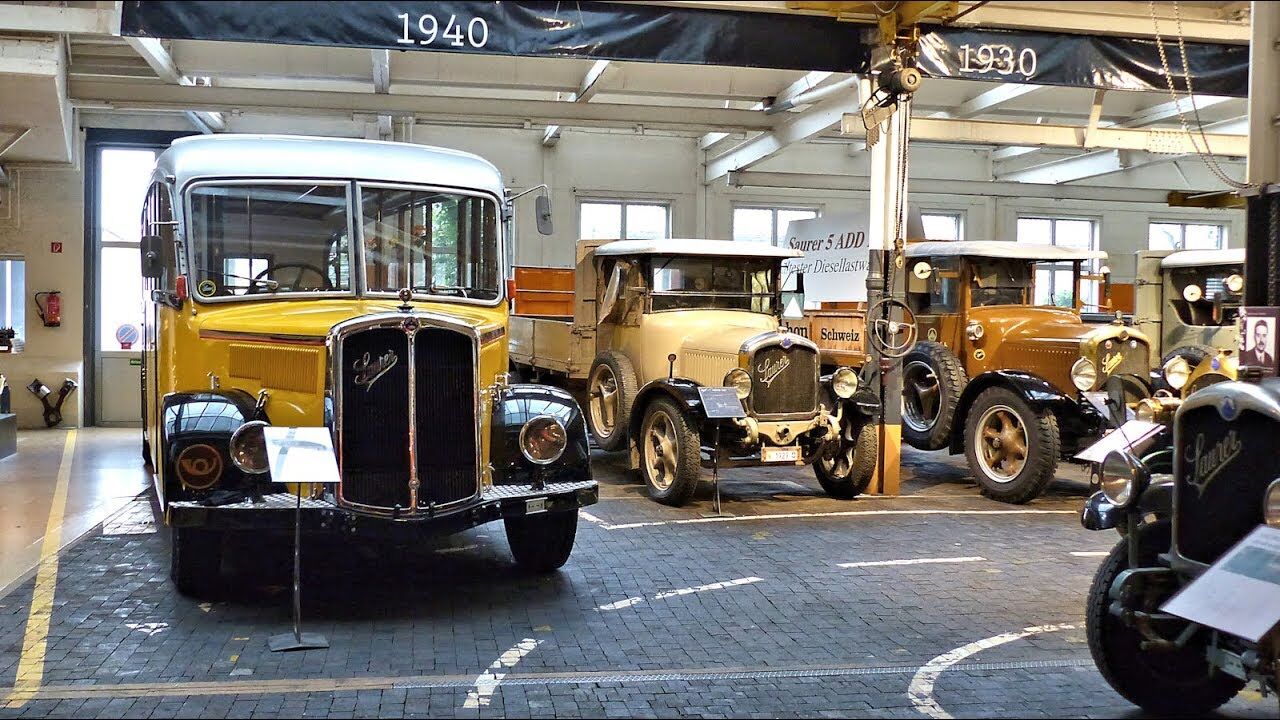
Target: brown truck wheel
[848, 471]
[611, 389]
[1012, 449]
[670, 453]
[932, 380]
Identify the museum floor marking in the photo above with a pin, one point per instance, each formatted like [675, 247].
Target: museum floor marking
[841, 513]
[914, 561]
[683, 591]
[36, 637]
[921, 689]
[489, 680]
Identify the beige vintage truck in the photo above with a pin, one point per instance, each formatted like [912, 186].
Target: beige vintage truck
[640, 325]
[1188, 301]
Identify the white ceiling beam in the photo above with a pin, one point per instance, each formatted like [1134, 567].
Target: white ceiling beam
[586, 90]
[794, 128]
[381, 71]
[1127, 19]
[978, 132]
[133, 95]
[51, 19]
[161, 63]
[987, 101]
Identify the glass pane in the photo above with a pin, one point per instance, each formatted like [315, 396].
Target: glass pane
[1035, 230]
[125, 175]
[648, 222]
[120, 297]
[786, 217]
[1063, 287]
[1076, 234]
[721, 283]
[1044, 286]
[600, 221]
[13, 297]
[284, 238]
[941, 227]
[1203, 237]
[753, 225]
[1164, 236]
[446, 243]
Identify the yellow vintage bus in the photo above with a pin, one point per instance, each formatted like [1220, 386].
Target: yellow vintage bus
[357, 286]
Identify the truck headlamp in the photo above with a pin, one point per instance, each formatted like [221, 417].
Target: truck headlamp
[1235, 283]
[1176, 372]
[1084, 375]
[249, 448]
[1192, 293]
[543, 440]
[1122, 478]
[1271, 504]
[740, 381]
[844, 383]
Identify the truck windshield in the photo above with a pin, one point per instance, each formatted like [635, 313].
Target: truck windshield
[683, 283]
[435, 242]
[269, 238]
[998, 281]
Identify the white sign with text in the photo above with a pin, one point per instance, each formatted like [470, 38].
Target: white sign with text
[836, 256]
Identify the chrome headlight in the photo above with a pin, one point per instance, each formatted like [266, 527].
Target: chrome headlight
[1146, 410]
[1176, 372]
[1192, 293]
[1271, 504]
[1084, 375]
[844, 383]
[543, 440]
[1235, 284]
[740, 381]
[974, 330]
[249, 448]
[1122, 477]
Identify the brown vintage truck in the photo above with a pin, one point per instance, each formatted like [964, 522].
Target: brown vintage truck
[995, 375]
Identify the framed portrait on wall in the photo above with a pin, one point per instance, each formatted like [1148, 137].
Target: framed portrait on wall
[1258, 328]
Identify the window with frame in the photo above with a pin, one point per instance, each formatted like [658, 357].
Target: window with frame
[766, 224]
[943, 225]
[1055, 282]
[12, 303]
[624, 219]
[1186, 236]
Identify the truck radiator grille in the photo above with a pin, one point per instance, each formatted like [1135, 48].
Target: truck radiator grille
[375, 420]
[446, 443]
[791, 375]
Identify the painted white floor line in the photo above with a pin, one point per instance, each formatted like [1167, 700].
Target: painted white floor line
[921, 689]
[488, 681]
[842, 513]
[592, 518]
[676, 593]
[915, 561]
[1091, 553]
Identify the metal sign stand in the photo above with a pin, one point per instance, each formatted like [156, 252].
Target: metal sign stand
[297, 640]
[719, 403]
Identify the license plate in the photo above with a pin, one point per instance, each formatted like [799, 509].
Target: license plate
[535, 505]
[780, 454]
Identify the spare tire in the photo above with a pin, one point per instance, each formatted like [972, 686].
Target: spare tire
[611, 389]
[1193, 354]
[932, 380]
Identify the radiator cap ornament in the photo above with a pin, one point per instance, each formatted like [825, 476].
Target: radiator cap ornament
[405, 296]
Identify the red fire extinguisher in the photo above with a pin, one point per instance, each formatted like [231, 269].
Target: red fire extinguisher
[51, 311]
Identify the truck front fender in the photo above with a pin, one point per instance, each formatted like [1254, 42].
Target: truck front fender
[519, 404]
[205, 417]
[681, 390]
[1037, 392]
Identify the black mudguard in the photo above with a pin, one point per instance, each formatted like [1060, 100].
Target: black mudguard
[1074, 417]
[518, 405]
[682, 390]
[1100, 514]
[208, 417]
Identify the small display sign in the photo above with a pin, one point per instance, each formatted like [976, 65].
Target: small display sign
[1240, 593]
[1258, 338]
[301, 455]
[721, 402]
[127, 335]
[55, 248]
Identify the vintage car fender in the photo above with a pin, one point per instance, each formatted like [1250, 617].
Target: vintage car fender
[1037, 392]
[682, 390]
[207, 417]
[1100, 514]
[517, 405]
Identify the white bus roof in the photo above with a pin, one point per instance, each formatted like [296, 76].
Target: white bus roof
[1192, 258]
[720, 248]
[1000, 249]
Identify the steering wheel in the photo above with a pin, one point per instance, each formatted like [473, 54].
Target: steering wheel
[297, 285]
[884, 332]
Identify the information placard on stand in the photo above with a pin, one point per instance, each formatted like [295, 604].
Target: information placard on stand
[1240, 593]
[719, 403]
[299, 456]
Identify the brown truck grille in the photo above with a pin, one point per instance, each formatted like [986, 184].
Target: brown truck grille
[784, 381]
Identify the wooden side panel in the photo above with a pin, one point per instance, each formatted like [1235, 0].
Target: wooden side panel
[1122, 297]
[544, 292]
[839, 334]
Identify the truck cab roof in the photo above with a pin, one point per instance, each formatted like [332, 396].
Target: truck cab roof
[673, 246]
[1000, 249]
[1197, 258]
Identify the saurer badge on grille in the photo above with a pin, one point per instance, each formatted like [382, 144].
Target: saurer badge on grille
[1207, 461]
[1111, 362]
[769, 370]
[368, 370]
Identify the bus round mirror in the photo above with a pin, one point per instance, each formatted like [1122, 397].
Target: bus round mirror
[542, 207]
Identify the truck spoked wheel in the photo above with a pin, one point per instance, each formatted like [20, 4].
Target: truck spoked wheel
[1163, 681]
[846, 473]
[1012, 449]
[611, 388]
[669, 453]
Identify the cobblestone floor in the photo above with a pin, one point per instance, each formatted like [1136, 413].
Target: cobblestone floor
[659, 613]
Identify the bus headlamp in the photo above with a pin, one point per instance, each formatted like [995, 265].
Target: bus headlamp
[249, 448]
[844, 383]
[1271, 504]
[1084, 374]
[740, 381]
[543, 440]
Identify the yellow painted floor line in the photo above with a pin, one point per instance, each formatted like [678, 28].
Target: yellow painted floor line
[35, 639]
